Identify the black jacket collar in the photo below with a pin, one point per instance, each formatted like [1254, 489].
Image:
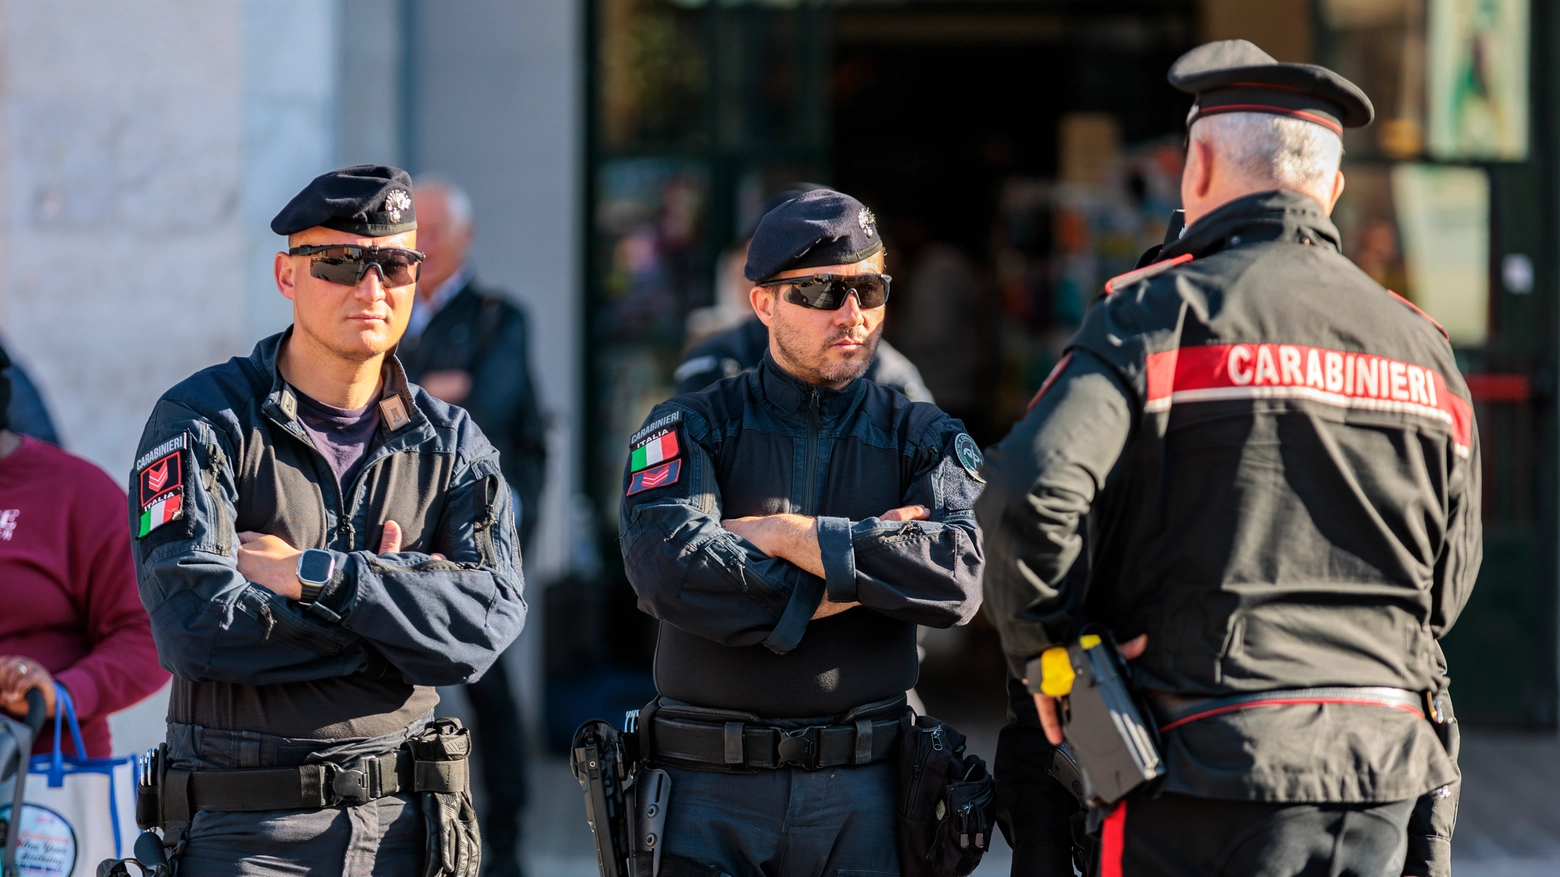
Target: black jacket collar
[1266, 216]
[792, 394]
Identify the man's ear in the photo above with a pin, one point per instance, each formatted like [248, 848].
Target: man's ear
[764, 300]
[1337, 192]
[286, 275]
[1199, 167]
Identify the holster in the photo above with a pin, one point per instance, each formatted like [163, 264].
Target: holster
[626, 800]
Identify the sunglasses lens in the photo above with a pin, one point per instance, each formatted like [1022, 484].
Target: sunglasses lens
[398, 270]
[343, 271]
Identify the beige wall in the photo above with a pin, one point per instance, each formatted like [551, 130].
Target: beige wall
[1281, 27]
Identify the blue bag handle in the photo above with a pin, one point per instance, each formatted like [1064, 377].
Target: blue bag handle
[65, 710]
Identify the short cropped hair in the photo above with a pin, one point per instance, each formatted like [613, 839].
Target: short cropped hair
[1290, 153]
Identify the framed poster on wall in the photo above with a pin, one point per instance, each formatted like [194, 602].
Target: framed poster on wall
[1478, 77]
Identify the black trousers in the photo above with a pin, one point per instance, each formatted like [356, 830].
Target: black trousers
[499, 738]
[1034, 811]
[1175, 835]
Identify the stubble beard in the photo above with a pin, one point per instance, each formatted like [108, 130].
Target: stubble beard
[815, 364]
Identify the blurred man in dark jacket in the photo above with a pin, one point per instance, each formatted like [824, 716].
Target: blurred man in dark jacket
[470, 346]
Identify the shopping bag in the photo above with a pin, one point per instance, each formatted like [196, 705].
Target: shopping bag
[77, 811]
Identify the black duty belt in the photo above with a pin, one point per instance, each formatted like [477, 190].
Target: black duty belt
[742, 746]
[1173, 711]
[315, 786]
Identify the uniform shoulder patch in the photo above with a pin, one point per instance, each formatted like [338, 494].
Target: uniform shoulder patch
[656, 443]
[663, 475]
[1415, 308]
[1121, 281]
[969, 455]
[160, 484]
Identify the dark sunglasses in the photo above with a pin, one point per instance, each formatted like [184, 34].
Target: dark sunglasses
[827, 292]
[347, 265]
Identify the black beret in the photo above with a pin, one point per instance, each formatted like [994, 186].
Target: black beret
[1234, 76]
[775, 200]
[820, 227]
[368, 199]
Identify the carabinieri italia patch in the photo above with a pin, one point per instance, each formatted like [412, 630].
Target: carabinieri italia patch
[656, 443]
[160, 483]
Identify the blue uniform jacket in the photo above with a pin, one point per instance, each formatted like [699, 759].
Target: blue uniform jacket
[225, 449]
[736, 630]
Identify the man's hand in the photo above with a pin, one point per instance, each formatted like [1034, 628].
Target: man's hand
[271, 563]
[907, 513]
[451, 385]
[1051, 720]
[18, 675]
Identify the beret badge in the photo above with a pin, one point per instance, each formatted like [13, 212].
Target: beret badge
[866, 220]
[396, 203]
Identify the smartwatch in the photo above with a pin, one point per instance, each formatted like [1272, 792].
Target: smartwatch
[315, 567]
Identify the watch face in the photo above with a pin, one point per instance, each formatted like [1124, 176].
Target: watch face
[316, 566]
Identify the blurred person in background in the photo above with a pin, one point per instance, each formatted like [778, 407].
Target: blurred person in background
[70, 616]
[470, 346]
[728, 338]
[27, 413]
[1272, 466]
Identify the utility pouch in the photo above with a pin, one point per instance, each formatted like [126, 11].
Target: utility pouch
[947, 802]
[148, 788]
[1116, 750]
[454, 843]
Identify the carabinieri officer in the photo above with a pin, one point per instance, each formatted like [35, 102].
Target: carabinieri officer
[790, 527]
[1278, 468]
[319, 544]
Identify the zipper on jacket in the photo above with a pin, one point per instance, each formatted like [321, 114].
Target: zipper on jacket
[813, 404]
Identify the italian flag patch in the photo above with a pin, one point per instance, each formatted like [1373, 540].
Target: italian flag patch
[653, 450]
[166, 508]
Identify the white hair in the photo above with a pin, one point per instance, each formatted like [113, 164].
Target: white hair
[1267, 148]
[457, 200]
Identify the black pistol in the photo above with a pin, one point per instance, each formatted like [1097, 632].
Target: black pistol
[1114, 748]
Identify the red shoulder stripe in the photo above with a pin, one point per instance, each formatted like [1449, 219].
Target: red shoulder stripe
[1144, 273]
[1415, 309]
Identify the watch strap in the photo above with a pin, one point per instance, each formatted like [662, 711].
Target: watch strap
[311, 592]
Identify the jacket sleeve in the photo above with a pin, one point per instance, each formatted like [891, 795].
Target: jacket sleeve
[440, 622]
[1458, 566]
[210, 624]
[1042, 481]
[925, 572]
[691, 572]
[508, 406]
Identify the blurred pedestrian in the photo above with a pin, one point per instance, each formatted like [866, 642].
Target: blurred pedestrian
[320, 543]
[789, 528]
[471, 346]
[70, 616]
[28, 414]
[731, 339]
[1279, 469]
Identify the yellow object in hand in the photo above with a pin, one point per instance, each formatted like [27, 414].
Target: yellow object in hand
[1056, 672]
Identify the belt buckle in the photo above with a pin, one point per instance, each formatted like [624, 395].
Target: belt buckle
[349, 783]
[799, 748]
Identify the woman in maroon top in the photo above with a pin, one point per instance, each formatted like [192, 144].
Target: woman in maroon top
[70, 615]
